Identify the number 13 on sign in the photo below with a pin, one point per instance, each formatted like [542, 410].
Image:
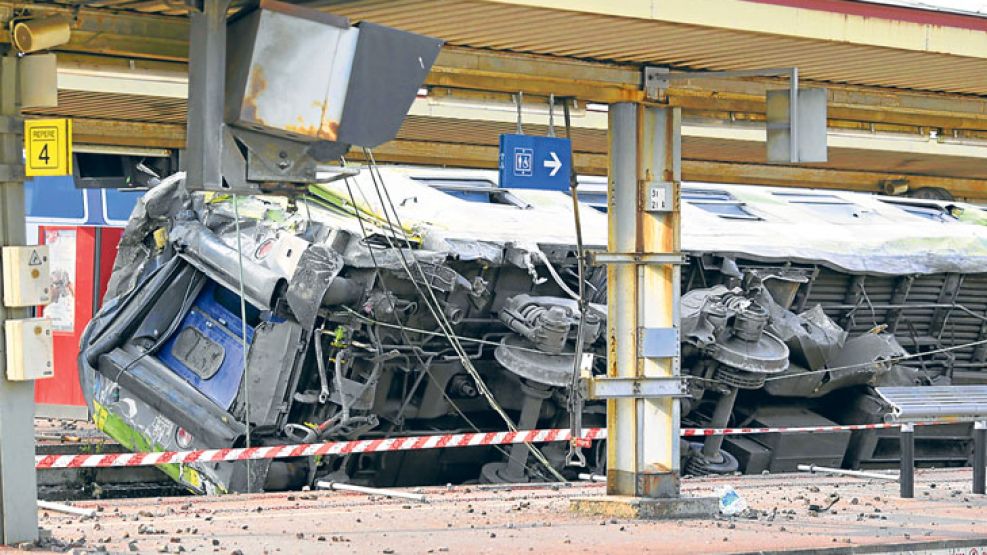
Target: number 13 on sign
[48, 147]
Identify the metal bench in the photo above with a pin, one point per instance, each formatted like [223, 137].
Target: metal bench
[953, 403]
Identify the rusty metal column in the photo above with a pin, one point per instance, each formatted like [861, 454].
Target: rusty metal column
[643, 444]
[642, 384]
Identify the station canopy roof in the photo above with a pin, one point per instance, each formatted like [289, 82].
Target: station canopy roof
[914, 78]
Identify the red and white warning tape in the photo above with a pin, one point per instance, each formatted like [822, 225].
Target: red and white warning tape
[314, 449]
[393, 444]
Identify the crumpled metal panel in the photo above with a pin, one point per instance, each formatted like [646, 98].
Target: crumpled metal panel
[210, 255]
[312, 278]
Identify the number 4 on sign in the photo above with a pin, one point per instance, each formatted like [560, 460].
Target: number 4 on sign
[48, 147]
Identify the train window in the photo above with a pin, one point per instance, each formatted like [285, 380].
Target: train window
[719, 202]
[798, 196]
[118, 204]
[456, 183]
[595, 199]
[830, 207]
[55, 198]
[929, 211]
[592, 191]
[706, 195]
[473, 190]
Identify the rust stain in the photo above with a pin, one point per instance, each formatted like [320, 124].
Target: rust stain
[256, 85]
[313, 131]
[300, 128]
[329, 129]
[658, 469]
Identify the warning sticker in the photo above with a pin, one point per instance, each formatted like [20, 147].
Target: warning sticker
[48, 147]
[35, 259]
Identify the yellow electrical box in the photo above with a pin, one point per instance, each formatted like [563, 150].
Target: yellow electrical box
[30, 354]
[47, 147]
[26, 281]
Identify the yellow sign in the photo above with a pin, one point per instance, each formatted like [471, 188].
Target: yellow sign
[48, 147]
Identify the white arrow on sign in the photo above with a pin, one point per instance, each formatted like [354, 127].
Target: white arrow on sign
[554, 163]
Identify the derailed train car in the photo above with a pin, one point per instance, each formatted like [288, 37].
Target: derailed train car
[389, 304]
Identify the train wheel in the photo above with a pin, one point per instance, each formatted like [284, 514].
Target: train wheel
[698, 465]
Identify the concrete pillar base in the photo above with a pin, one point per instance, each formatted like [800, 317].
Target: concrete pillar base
[646, 508]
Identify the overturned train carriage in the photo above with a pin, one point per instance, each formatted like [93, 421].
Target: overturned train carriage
[382, 306]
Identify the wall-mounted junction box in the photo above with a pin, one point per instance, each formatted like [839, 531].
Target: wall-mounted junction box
[30, 352]
[26, 281]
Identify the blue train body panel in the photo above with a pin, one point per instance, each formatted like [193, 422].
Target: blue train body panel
[217, 325]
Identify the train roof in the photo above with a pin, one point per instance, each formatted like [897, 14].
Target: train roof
[849, 231]
[854, 232]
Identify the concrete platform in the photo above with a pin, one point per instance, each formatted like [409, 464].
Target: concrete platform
[788, 514]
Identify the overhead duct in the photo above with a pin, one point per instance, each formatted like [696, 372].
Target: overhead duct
[310, 76]
[301, 87]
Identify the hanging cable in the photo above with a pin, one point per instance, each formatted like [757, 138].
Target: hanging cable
[438, 314]
[244, 345]
[518, 100]
[551, 117]
[460, 352]
[575, 455]
[555, 275]
[434, 309]
[894, 359]
[401, 325]
[477, 340]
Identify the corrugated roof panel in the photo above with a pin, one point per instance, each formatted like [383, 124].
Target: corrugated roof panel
[481, 24]
[124, 107]
[158, 7]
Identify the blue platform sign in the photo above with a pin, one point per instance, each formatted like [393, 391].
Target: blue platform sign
[533, 162]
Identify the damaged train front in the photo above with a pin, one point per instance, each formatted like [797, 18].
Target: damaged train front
[354, 326]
